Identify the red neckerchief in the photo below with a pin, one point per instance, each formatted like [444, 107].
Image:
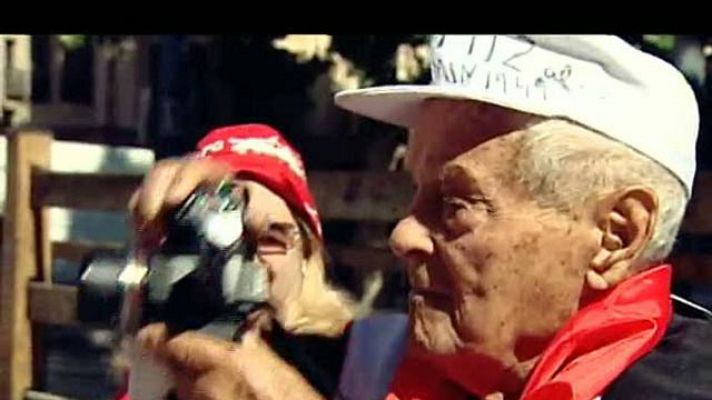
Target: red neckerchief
[589, 352]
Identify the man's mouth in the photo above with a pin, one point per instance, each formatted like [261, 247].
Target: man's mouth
[435, 298]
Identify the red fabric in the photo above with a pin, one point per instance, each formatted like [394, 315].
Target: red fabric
[262, 153]
[592, 349]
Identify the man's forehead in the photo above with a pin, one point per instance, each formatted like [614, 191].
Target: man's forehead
[447, 129]
[470, 112]
[500, 150]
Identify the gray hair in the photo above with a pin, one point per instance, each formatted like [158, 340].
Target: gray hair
[564, 164]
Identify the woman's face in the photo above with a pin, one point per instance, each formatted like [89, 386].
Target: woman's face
[279, 243]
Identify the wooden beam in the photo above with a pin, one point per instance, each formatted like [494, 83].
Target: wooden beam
[35, 395]
[26, 150]
[351, 196]
[76, 251]
[361, 196]
[109, 192]
[53, 303]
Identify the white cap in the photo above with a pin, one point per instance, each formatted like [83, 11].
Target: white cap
[599, 81]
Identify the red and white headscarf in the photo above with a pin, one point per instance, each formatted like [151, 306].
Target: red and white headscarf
[260, 152]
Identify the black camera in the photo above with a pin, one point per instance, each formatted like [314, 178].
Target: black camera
[202, 277]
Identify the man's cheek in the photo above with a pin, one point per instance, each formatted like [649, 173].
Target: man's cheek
[471, 263]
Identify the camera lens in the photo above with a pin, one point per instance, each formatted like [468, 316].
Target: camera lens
[99, 298]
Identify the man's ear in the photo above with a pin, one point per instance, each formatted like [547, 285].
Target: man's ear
[626, 219]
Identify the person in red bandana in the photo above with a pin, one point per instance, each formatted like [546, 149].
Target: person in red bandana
[552, 175]
[307, 317]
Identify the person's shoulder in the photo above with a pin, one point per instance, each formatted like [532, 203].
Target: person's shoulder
[680, 367]
[378, 333]
[376, 344]
[381, 320]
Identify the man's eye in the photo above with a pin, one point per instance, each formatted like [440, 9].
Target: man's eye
[464, 214]
[452, 206]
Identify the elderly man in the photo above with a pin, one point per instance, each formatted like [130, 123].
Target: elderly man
[552, 175]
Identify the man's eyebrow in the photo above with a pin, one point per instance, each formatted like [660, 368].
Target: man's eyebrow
[455, 177]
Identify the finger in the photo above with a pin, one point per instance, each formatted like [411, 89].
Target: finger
[193, 174]
[194, 353]
[154, 189]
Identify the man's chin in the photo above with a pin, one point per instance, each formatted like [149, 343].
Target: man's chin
[431, 331]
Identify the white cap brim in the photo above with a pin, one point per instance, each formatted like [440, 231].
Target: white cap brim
[400, 104]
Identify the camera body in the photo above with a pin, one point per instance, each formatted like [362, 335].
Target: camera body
[202, 277]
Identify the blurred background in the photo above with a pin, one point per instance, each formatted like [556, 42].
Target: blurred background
[121, 102]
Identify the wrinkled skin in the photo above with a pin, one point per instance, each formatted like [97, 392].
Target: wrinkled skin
[493, 274]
